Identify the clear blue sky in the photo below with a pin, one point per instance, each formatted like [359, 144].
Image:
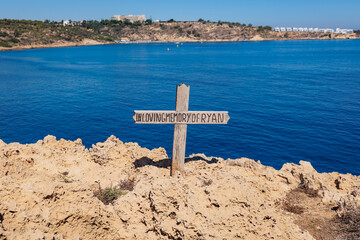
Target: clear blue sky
[310, 13]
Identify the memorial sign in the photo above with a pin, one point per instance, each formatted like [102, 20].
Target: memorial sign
[190, 117]
[180, 117]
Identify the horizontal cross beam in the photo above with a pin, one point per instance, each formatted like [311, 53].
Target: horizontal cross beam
[181, 117]
[175, 117]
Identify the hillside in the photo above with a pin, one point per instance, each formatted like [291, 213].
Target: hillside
[15, 34]
[27, 33]
[58, 189]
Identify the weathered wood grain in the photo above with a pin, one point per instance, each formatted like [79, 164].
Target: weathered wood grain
[180, 129]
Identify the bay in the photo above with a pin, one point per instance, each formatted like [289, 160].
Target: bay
[288, 100]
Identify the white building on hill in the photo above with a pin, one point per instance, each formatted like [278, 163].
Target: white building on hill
[67, 22]
[313, 30]
[344, 31]
[131, 18]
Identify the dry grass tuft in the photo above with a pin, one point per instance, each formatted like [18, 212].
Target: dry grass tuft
[207, 182]
[110, 194]
[287, 206]
[127, 184]
[304, 186]
[350, 217]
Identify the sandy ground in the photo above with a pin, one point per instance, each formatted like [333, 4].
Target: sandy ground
[47, 192]
[85, 42]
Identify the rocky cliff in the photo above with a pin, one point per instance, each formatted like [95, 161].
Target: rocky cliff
[50, 190]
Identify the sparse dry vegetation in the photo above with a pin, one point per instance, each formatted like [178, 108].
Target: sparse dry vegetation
[323, 221]
[26, 32]
[350, 217]
[207, 182]
[109, 194]
[305, 187]
[64, 176]
[292, 207]
[216, 199]
[127, 184]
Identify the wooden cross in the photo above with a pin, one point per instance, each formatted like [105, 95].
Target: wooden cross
[180, 117]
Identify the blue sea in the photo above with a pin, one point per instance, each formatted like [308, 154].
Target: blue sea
[288, 100]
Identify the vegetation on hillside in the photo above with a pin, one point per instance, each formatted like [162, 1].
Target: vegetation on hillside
[26, 32]
[29, 32]
[17, 33]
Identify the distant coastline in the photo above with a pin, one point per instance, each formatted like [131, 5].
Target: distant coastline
[27, 34]
[94, 43]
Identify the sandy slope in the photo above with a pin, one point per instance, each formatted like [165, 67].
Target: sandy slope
[84, 42]
[216, 199]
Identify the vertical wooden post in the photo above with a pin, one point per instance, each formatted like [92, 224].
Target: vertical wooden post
[178, 153]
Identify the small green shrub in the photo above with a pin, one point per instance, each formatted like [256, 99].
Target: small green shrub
[17, 33]
[109, 194]
[264, 28]
[4, 44]
[14, 40]
[109, 39]
[3, 34]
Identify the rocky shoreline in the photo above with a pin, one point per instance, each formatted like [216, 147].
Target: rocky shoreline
[49, 190]
[93, 42]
